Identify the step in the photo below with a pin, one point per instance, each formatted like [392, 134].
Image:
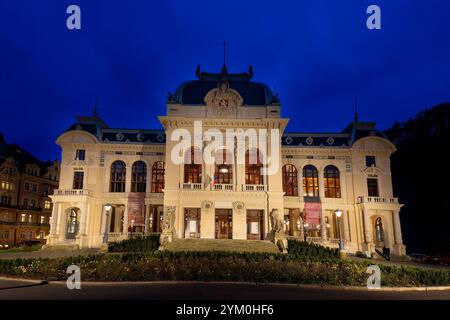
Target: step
[222, 245]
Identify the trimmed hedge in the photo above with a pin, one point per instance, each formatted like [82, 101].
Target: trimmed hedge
[220, 266]
[142, 244]
[310, 249]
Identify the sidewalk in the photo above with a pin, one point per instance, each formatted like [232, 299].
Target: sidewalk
[48, 254]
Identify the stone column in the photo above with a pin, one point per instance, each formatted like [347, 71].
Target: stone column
[125, 220]
[147, 214]
[104, 222]
[83, 218]
[397, 227]
[62, 224]
[321, 184]
[55, 217]
[345, 220]
[367, 227]
[323, 226]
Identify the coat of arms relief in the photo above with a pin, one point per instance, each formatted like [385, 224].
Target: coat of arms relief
[223, 101]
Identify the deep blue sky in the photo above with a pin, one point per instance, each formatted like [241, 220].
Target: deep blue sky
[318, 55]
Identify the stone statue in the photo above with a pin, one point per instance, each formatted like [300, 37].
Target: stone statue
[168, 227]
[277, 234]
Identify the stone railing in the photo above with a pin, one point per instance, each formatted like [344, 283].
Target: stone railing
[377, 200]
[191, 186]
[254, 187]
[222, 187]
[115, 236]
[73, 192]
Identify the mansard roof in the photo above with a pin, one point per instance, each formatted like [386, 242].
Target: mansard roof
[253, 93]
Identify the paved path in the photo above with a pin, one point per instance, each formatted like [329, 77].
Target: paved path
[10, 289]
[47, 254]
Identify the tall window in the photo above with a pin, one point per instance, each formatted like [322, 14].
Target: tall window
[78, 177]
[290, 180]
[253, 167]
[332, 183]
[138, 177]
[158, 171]
[372, 187]
[192, 167]
[118, 173]
[310, 181]
[224, 169]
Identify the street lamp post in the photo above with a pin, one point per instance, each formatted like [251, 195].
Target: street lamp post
[108, 208]
[341, 242]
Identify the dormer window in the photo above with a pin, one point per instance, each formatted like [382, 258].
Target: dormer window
[80, 154]
[370, 161]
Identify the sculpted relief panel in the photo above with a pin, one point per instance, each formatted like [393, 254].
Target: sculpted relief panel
[223, 101]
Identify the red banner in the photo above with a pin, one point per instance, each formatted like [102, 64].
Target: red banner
[313, 212]
[136, 201]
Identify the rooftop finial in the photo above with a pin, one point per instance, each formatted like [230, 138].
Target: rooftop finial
[94, 111]
[224, 67]
[356, 116]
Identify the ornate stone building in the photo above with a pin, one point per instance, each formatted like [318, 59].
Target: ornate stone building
[119, 182]
[25, 186]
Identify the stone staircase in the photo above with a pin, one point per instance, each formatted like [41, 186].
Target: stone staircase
[222, 245]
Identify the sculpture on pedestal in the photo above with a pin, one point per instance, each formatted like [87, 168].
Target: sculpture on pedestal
[277, 234]
[167, 227]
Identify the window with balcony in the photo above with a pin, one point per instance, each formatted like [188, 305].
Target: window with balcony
[80, 154]
[372, 187]
[310, 181]
[370, 161]
[290, 180]
[78, 177]
[253, 167]
[158, 170]
[193, 166]
[139, 177]
[224, 169]
[32, 203]
[118, 174]
[332, 182]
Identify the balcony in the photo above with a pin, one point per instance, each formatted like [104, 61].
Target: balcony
[191, 186]
[377, 200]
[254, 187]
[222, 187]
[73, 192]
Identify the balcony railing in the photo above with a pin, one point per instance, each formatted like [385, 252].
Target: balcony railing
[222, 187]
[378, 200]
[73, 192]
[254, 187]
[191, 186]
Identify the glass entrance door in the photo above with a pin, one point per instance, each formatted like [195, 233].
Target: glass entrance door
[255, 229]
[224, 224]
[192, 223]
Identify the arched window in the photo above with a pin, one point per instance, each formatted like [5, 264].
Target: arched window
[118, 173]
[379, 232]
[192, 167]
[253, 167]
[158, 170]
[310, 181]
[224, 169]
[138, 176]
[290, 181]
[332, 182]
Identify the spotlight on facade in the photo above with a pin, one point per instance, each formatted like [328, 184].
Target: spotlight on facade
[223, 169]
[108, 207]
[338, 213]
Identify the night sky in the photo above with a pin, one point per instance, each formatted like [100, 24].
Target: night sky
[318, 55]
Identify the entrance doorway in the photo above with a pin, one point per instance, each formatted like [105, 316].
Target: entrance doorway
[192, 223]
[72, 223]
[224, 224]
[255, 225]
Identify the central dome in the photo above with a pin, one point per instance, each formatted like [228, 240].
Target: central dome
[253, 93]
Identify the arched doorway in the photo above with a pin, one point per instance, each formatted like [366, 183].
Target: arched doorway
[73, 223]
[379, 232]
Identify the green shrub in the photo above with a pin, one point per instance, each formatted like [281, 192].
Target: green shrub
[141, 244]
[304, 248]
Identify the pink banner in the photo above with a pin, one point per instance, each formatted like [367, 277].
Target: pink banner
[136, 201]
[313, 212]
